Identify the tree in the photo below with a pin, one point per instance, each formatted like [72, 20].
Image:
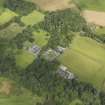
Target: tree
[62, 25]
[20, 6]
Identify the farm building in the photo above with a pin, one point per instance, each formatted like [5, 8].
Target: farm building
[60, 49]
[50, 55]
[63, 72]
[35, 49]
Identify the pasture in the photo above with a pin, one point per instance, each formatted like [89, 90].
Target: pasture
[6, 16]
[32, 18]
[86, 60]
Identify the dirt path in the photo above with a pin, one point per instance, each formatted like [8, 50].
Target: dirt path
[95, 17]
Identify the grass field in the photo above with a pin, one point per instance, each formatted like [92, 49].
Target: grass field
[92, 4]
[11, 31]
[86, 60]
[41, 38]
[24, 59]
[32, 18]
[6, 16]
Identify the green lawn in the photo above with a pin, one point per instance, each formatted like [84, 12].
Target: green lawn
[92, 4]
[6, 16]
[32, 18]
[24, 59]
[41, 38]
[86, 60]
